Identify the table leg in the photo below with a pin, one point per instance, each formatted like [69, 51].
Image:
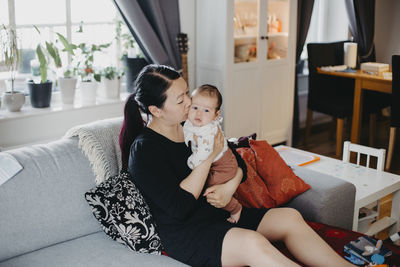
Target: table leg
[395, 213]
[357, 113]
[355, 217]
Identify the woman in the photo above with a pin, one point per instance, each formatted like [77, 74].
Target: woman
[192, 226]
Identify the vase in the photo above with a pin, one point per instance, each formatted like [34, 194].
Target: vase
[40, 93]
[110, 88]
[88, 92]
[133, 66]
[13, 102]
[67, 89]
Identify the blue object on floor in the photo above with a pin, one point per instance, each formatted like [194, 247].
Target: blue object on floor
[378, 259]
[354, 259]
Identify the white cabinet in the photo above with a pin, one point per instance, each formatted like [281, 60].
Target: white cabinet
[247, 49]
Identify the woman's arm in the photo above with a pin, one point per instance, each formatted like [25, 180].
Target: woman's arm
[220, 195]
[194, 183]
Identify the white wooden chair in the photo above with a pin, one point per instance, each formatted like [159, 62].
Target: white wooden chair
[371, 211]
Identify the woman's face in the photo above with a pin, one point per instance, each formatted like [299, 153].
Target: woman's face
[176, 106]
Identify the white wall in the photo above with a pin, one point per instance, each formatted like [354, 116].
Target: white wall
[387, 25]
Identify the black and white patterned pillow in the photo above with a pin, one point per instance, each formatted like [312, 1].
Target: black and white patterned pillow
[124, 215]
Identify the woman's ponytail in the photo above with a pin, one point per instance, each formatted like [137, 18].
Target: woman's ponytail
[133, 124]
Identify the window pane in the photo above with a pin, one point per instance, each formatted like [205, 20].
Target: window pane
[4, 12]
[92, 10]
[90, 36]
[39, 11]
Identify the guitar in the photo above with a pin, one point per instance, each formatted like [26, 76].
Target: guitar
[182, 41]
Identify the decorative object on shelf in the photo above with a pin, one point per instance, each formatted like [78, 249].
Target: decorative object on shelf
[10, 54]
[110, 82]
[132, 58]
[40, 90]
[132, 68]
[89, 77]
[66, 76]
[67, 87]
[88, 92]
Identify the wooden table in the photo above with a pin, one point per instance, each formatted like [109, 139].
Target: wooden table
[363, 81]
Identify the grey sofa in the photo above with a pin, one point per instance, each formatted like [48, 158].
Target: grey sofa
[45, 220]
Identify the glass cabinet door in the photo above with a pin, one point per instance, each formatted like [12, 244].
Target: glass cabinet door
[277, 28]
[245, 26]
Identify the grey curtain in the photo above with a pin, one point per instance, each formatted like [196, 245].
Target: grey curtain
[304, 12]
[154, 25]
[361, 15]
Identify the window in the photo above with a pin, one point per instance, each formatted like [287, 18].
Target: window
[3, 11]
[329, 23]
[96, 18]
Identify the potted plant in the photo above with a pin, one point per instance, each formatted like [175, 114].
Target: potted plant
[66, 76]
[110, 82]
[132, 57]
[86, 71]
[40, 90]
[10, 54]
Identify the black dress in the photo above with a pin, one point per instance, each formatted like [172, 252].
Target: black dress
[192, 231]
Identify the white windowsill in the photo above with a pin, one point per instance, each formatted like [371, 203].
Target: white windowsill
[38, 125]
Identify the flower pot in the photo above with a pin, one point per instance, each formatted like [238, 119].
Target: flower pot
[110, 88]
[40, 93]
[13, 101]
[67, 89]
[88, 92]
[133, 67]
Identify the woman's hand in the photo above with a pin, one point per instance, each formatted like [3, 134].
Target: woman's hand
[218, 144]
[220, 195]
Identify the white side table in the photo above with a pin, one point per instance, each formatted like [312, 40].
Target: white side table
[370, 184]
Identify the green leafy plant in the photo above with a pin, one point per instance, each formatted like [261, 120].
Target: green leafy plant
[53, 52]
[126, 39]
[111, 73]
[10, 53]
[85, 61]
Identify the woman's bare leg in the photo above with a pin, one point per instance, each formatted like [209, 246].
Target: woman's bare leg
[307, 246]
[242, 247]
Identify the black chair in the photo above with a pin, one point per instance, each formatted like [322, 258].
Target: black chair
[328, 94]
[395, 107]
[334, 95]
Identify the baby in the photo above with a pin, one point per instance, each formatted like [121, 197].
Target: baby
[200, 128]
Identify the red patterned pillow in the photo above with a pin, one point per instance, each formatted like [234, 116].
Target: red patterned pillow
[253, 193]
[282, 183]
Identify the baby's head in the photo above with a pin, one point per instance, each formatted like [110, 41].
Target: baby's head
[206, 105]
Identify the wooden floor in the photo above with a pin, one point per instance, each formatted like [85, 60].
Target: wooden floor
[322, 141]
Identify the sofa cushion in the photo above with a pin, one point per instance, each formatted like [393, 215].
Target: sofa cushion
[94, 250]
[43, 204]
[253, 193]
[124, 215]
[282, 183]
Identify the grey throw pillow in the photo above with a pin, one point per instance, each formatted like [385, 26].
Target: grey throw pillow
[124, 215]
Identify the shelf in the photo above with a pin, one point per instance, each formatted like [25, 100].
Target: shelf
[285, 34]
[245, 36]
[36, 125]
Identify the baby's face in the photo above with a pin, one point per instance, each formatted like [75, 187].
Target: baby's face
[203, 110]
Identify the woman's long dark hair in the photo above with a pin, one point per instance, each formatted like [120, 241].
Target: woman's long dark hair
[149, 90]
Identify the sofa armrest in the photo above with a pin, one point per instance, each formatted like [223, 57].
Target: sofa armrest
[330, 200]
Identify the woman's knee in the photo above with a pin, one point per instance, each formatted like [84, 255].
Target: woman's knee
[254, 241]
[293, 214]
